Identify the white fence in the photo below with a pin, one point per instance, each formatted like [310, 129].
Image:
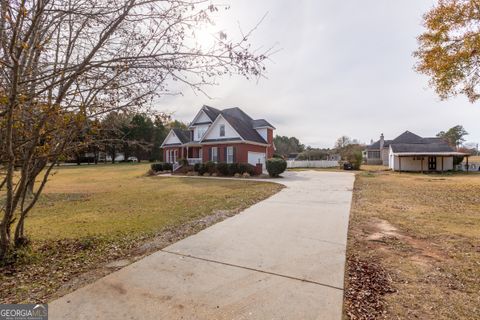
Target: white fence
[472, 166]
[311, 164]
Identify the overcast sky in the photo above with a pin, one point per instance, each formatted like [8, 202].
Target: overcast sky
[345, 68]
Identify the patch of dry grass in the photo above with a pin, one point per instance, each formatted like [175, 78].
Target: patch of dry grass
[364, 167]
[424, 230]
[91, 215]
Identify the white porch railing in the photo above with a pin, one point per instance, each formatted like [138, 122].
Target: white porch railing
[193, 161]
[312, 164]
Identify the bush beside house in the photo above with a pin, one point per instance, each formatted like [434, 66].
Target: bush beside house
[356, 159]
[161, 166]
[224, 169]
[276, 166]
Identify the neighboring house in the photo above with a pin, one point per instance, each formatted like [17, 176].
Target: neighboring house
[228, 135]
[410, 152]
[334, 157]
[292, 156]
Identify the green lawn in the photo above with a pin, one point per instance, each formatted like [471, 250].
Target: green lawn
[90, 215]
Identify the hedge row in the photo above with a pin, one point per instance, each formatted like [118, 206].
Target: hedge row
[161, 166]
[224, 169]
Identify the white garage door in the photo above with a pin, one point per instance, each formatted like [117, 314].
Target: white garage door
[256, 157]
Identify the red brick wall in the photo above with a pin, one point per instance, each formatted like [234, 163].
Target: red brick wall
[241, 151]
[193, 152]
[271, 150]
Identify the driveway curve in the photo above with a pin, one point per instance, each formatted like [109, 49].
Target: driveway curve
[282, 258]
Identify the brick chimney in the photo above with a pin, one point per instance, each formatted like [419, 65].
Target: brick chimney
[382, 141]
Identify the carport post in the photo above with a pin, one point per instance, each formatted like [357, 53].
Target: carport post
[421, 169]
[400, 164]
[442, 164]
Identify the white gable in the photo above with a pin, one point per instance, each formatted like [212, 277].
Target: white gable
[263, 133]
[203, 117]
[214, 131]
[172, 139]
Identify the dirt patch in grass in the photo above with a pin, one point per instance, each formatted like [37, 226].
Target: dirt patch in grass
[93, 220]
[422, 233]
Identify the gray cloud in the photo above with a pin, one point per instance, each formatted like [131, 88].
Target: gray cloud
[345, 67]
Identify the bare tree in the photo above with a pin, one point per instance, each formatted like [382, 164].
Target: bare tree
[65, 63]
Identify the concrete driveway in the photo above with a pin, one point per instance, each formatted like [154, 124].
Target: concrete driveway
[282, 258]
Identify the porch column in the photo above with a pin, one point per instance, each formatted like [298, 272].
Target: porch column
[467, 165]
[400, 163]
[421, 169]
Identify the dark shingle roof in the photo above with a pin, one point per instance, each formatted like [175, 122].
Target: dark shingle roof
[183, 135]
[409, 142]
[259, 123]
[435, 140]
[243, 124]
[239, 120]
[421, 147]
[211, 112]
[408, 137]
[376, 145]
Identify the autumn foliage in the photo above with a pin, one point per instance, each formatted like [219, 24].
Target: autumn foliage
[449, 49]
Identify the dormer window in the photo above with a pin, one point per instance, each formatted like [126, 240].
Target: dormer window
[222, 130]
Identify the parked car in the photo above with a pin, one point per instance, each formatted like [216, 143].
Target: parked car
[132, 159]
[347, 166]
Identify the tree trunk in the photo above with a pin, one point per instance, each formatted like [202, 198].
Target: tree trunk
[126, 152]
[4, 240]
[19, 238]
[113, 154]
[95, 155]
[38, 167]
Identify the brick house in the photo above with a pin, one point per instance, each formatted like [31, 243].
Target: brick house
[228, 135]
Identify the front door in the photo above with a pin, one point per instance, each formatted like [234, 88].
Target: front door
[432, 163]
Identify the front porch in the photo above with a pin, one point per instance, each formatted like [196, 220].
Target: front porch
[424, 162]
[193, 154]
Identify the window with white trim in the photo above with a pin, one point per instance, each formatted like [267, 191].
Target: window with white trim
[214, 154]
[229, 154]
[222, 130]
[200, 132]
